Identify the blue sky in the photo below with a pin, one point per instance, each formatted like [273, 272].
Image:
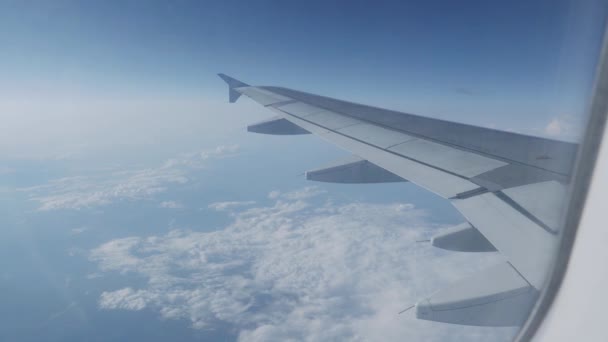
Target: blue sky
[468, 61]
[123, 164]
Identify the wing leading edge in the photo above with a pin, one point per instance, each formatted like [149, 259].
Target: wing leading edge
[510, 187]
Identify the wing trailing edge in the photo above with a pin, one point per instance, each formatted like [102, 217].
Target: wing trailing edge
[497, 296]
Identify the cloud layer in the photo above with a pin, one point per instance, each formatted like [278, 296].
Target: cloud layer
[565, 127]
[171, 205]
[90, 191]
[229, 205]
[299, 269]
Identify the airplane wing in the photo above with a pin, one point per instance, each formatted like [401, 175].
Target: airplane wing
[510, 187]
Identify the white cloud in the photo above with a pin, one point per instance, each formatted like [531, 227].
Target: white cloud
[230, 205]
[304, 193]
[124, 299]
[222, 150]
[563, 126]
[296, 271]
[108, 187]
[274, 194]
[554, 127]
[171, 205]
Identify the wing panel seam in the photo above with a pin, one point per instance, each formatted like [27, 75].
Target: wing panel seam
[511, 161]
[505, 198]
[375, 146]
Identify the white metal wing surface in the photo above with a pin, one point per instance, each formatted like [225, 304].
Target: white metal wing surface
[511, 189]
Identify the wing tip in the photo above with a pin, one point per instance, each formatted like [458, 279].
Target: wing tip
[231, 81]
[233, 95]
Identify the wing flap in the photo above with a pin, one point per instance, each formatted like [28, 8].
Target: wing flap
[544, 210]
[261, 96]
[331, 120]
[525, 243]
[378, 136]
[432, 179]
[497, 296]
[445, 185]
[448, 158]
[299, 109]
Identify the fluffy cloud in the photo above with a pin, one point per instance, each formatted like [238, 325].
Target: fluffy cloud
[230, 205]
[89, 191]
[307, 192]
[274, 194]
[171, 205]
[564, 126]
[297, 271]
[300, 194]
[125, 299]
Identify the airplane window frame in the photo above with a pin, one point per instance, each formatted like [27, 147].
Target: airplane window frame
[579, 186]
